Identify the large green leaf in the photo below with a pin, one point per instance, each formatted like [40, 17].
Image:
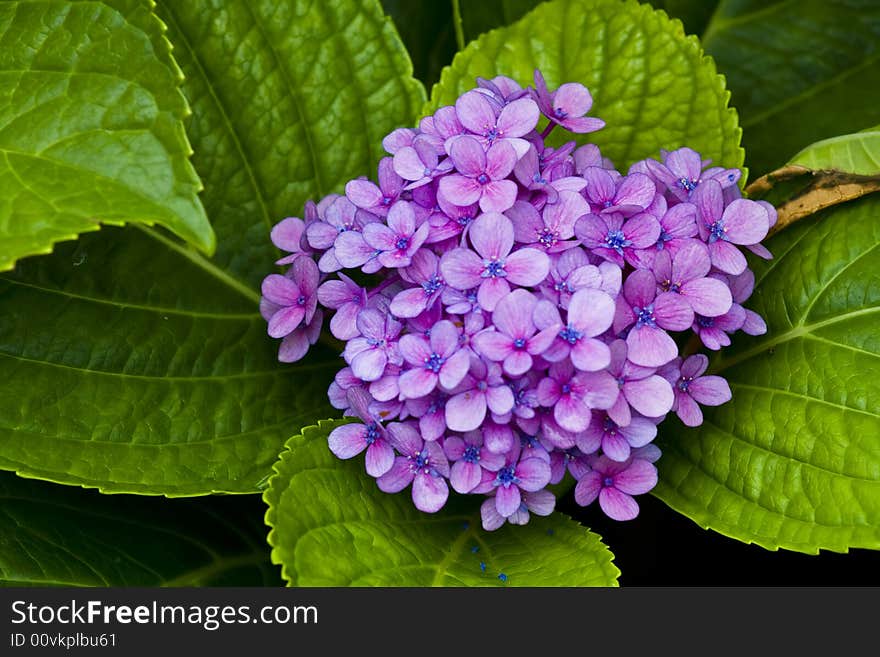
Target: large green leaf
[857, 153]
[427, 32]
[320, 506]
[799, 70]
[793, 460]
[130, 362]
[60, 536]
[650, 83]
[91, 126]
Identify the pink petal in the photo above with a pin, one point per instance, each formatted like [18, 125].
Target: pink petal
[454, 369]
[727, 257]
[527, 267]
[673, 312]
[417, 383]
[518, 118]
[708, 296]
[517, 363]
[493, 345]
[617, 505]
[492, 235]
[591, 311]
[348, 440]
[280, 290]
[688, 411]
[533, 473]
[691, 261]
[461, 268]
[429, 493]
[574, 98]
[745, 222]
[651, 396]
[650, 347]
[615, 446]
[369, 365]
[466, 411]
[590, 355]
[475, 112]
[398, 477]
[710, 390]
[460, 190]
[587, 489]
[285, 321]
[379, 458]
[499, 399]
[507, 500]
[636, 190]
[639, 432]
[571, 414]
[638, 478]
[363, 193]
[465, 476]
[491, 291]
[498, 196]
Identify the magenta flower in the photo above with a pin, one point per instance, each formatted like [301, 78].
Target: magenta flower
[742, 222]
[572, 395]
[481, 176]
[616, 240]
[685, 274]
[373, 198]
[515, 339]
[648, 343]
[590, 313]
[349, 440]
[567, 105]
[438, 360]
[424, 272]
[515, 120]
[420, 163]
[348, 299]
[492, 237]
[614, 484]
[470, 459]
[640, 388]
[369, 354]
[554, 227]
[541, 503]
[397, 241]
[421, 464]
[481, 389]
[292, 299]
[616, 441]
[692, 388]
[517, 476]
[682, 171]
[629, 195]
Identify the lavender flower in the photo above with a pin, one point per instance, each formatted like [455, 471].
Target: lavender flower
[567, 105]
[614, 484]
[482, 176]
[692, 388]
[421, 464]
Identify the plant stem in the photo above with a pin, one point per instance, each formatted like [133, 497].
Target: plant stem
[456, 21]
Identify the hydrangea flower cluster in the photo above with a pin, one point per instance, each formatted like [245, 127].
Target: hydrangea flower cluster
[513, 311]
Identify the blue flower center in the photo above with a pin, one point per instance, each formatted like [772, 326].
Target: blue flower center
[420, 460]
[705, 322]
[434, 362]
[433, 284]
[464, 220]
[562, 286]
[608, 482]
[570, 334]
[661, 241]
[492, 134]
[427, 172]
[547, 237]
[494, 269]
[302, 300]
[471, 454]
[686, 184]
[538, 178]
[615, 239]
[386, 200]
[717, 231]
[684, 383]
[519, 343]
[566, 388]
[645, 316]
[559, 113]
[506, 477]
[482, 179]
[609, 426]
[372, 434]
[482, 386]
[402, 243]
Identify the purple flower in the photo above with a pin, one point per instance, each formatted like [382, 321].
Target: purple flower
[349, 440]
[290, 235]
[648, 344]
[615, 440]
[515, 339]
[483, 388]
[685, 274]
[369, 354]
[377, 199]
[471, 458]
[340, 218]
[420, 163]
[682, 172]
[431, 412]
[492, 237]
[421, 464]
[741, 288]
[567, 105]
[438, 360]
[590, 313]
[541, 503]
[713, 331]
[616, 240]
[424, 272]
[628, 196]
[614, 484]
[398, 240]
[554, 226]
[692, 388]
[640, 388]
[515, 120]
[677, 225]
[742, 222]
[481, 176]
[572, 395]
[291, 300]
[517, 476]
[348, 299]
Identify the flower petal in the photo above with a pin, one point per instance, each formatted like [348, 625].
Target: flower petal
[618, 505]
[429, 493]
[379, 458]
[348, 440]
[466, 410]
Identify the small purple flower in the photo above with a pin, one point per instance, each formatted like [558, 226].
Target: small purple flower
[713, 331]
[424, 272]
[614, 484]
[685, 274]
[438, 360]
[741, 288]
[369, 354]
[492, 237]
[483, 388]
[349, 440]
[421, 464]
[373, 198]
[292, 299]
[515, 120]
[440, 127]
[678, 225]
[348, 299]
[616, 441]
[341, 219]
[692, 388]
[398, 241]
[290, 235]
[541, 503]
[648, 343]
[616, 240]
[517, 476]
[481, 176]
[682, 172]
[567, 105]
[742, 222]
[628, 195]
[553, 229]
[397, 139]
[515, 339]
[572, 395]
[470, 459]
[640, 388]
[590, 313]
[420, 163]
[431, 412]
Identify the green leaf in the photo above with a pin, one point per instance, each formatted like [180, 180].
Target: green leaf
[478, 16]
[694, 14]
[131, 363]
[319, 505]
[649, 82]
[858, 153]
[799, 71]
[60, 536]
[793, 461]
[427, 32]
[91, 126]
